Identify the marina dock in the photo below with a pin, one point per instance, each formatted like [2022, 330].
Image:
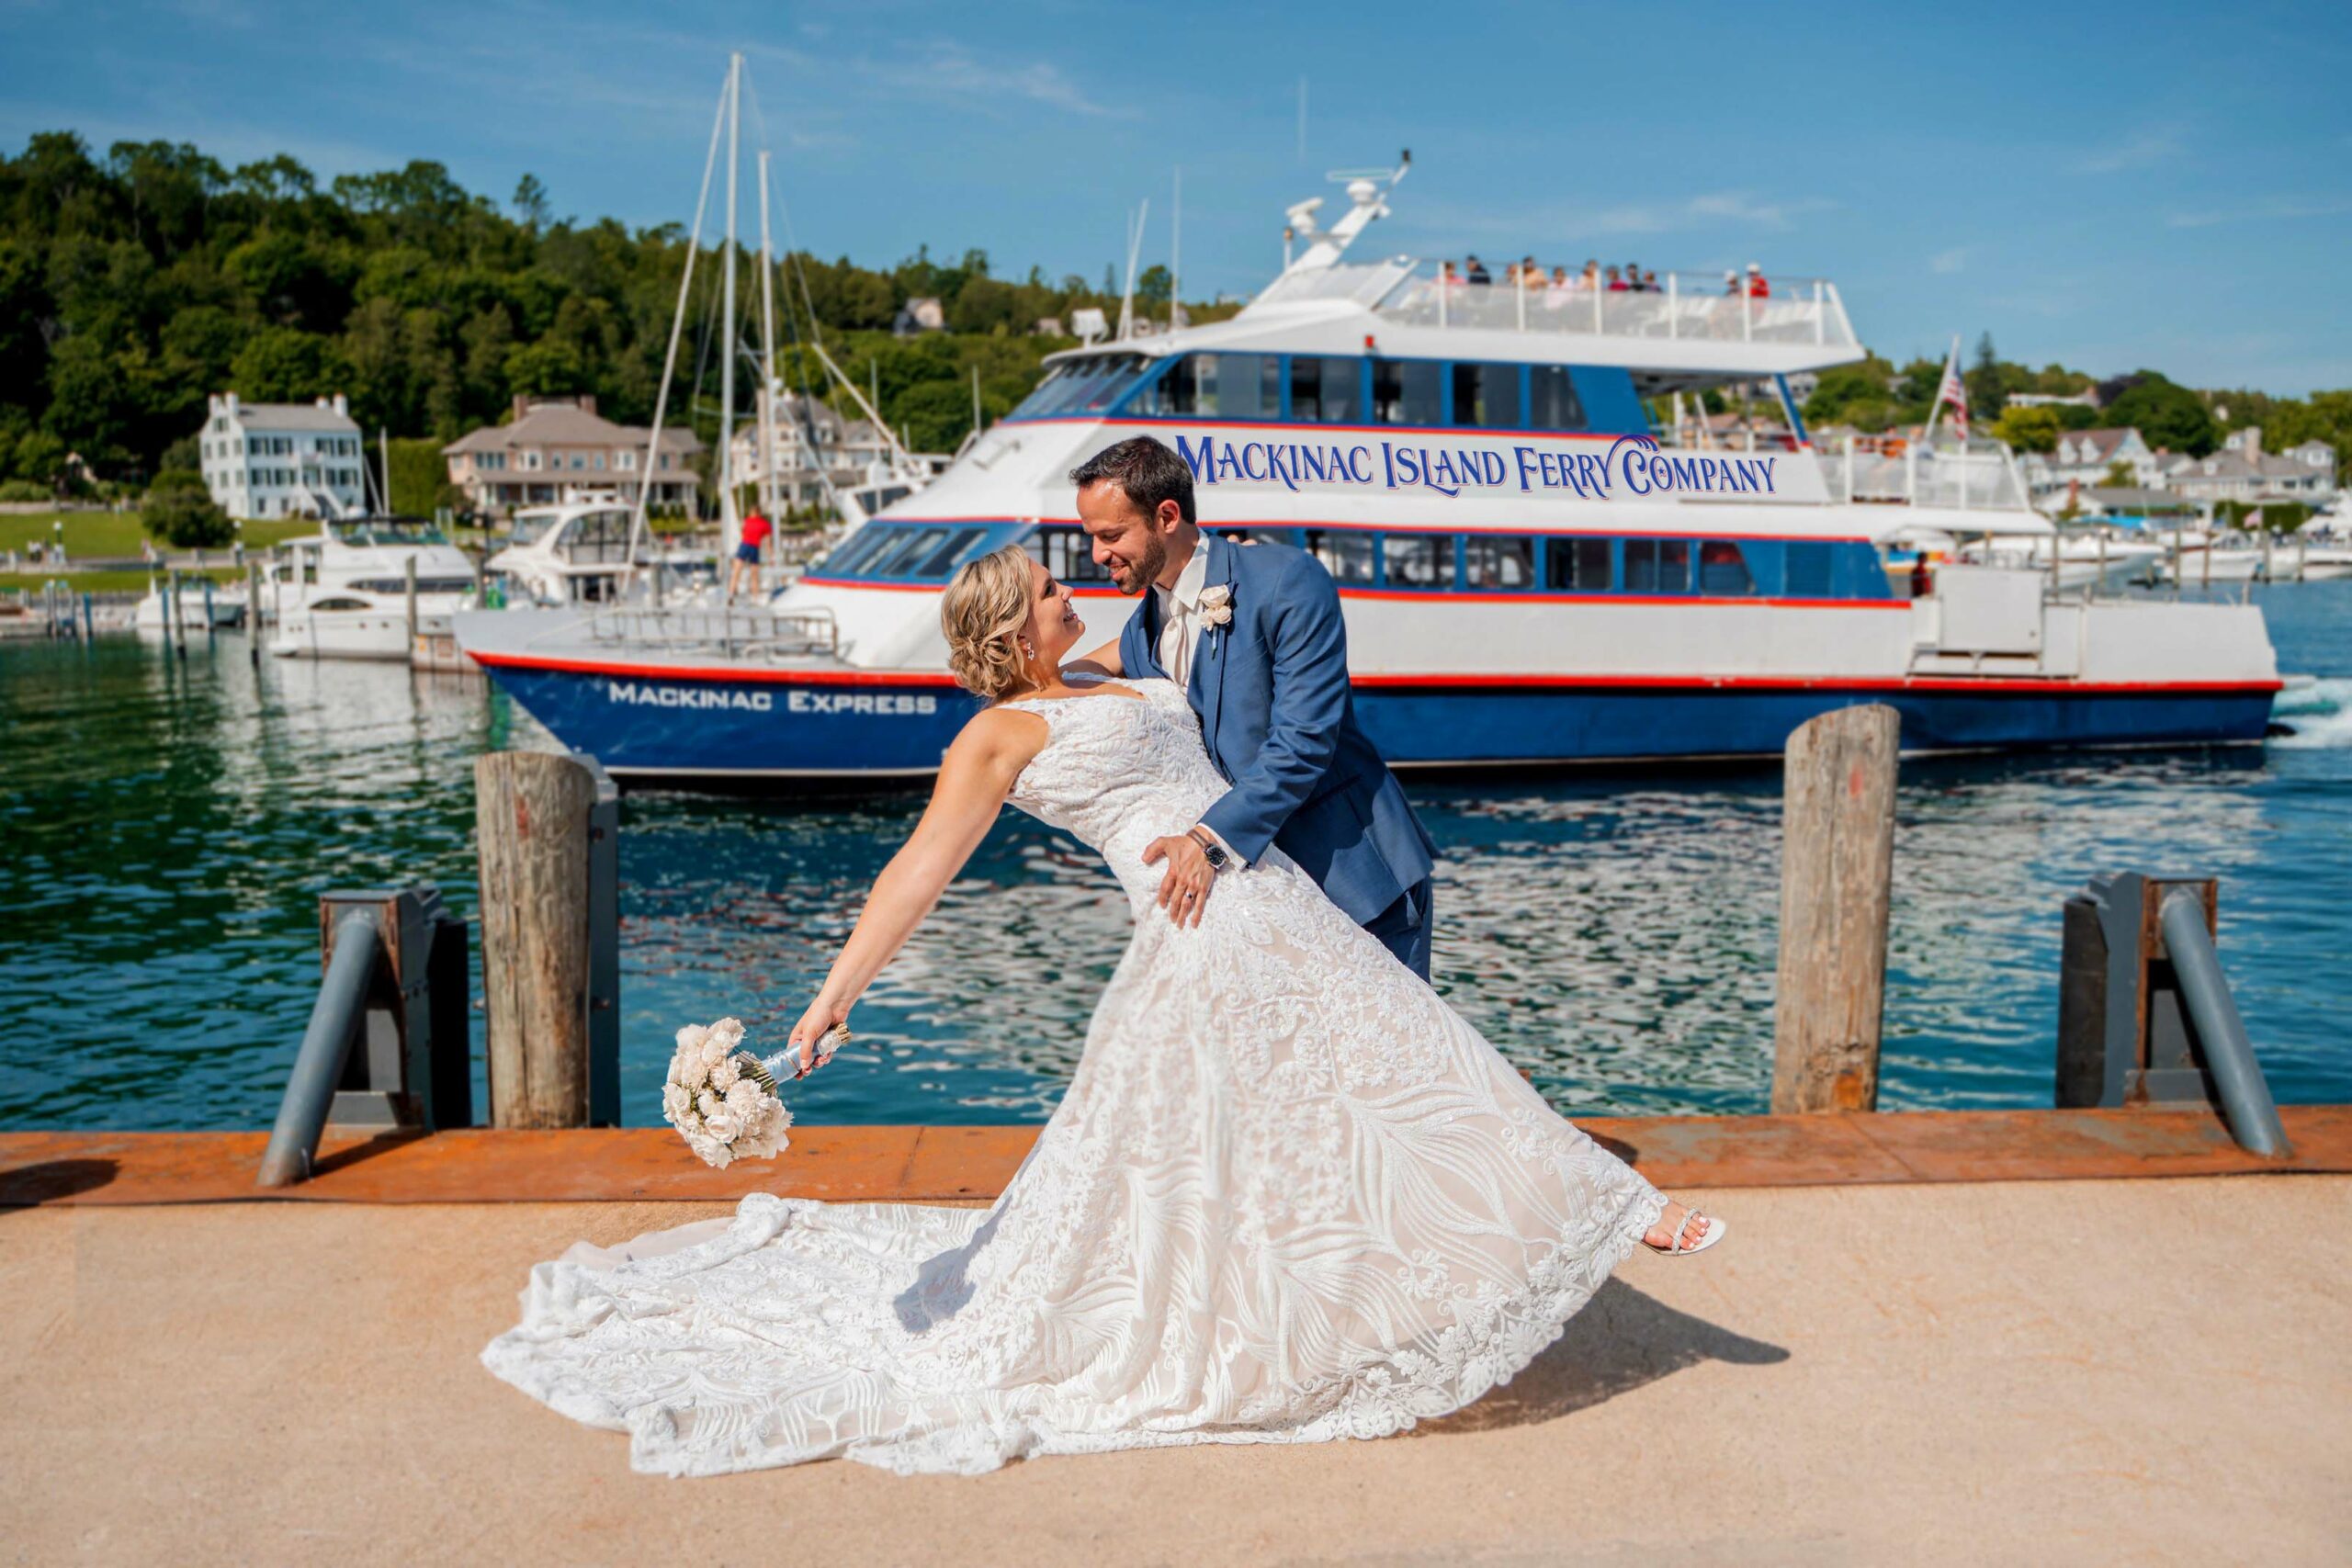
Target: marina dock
[1889, 1360]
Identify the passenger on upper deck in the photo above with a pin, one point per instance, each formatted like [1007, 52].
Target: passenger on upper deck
[1531, 275]
[1616, 284]
[1476, 270]
[1562, 287]
[1757, 288]
[1649, 283]
[1592, 275]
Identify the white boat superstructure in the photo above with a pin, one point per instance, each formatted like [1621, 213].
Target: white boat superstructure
[1529, 575]
[344, 592]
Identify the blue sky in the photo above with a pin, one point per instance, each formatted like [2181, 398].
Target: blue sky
[2109, 186]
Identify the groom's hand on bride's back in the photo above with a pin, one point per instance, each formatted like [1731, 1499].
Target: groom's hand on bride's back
[1184, 891]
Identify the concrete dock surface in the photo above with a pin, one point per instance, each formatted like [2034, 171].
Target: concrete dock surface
[2052, 1372]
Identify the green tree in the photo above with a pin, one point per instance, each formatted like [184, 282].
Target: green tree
[2029, 429]
[281, 365]
[179, 511]
[1988, 395]
[2163, 414]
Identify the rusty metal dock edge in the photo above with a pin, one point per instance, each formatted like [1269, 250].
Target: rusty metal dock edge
[972, 1164]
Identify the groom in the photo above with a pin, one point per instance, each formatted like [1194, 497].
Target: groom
[1253, 635]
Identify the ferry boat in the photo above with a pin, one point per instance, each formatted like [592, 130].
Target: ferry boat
[343, 592]
[1530, 575]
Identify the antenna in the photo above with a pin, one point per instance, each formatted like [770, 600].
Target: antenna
[1302, 119]
[1176, 257]
[1127, 295]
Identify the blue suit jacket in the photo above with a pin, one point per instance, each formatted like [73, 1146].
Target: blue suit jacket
[1271, 689]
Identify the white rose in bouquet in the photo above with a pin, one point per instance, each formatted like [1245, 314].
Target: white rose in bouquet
[723, 1102]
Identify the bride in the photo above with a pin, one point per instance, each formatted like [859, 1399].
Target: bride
[1290, 1195]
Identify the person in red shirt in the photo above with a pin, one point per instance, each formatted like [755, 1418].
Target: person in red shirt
[1757, 288]
[756, 531]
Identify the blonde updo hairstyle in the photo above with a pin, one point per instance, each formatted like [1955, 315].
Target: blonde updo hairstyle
[981, 615]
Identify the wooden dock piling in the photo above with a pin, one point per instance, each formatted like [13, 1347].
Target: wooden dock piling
[531, 815]
[1836, 865]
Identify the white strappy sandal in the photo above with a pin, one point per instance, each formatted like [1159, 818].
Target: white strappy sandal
[1715, 1229]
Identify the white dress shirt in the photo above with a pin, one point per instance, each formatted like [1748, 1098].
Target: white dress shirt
[1181, 626]
[1179, 616]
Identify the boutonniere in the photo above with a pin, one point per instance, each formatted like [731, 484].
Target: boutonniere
[1216, 604]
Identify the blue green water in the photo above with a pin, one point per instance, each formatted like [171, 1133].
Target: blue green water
[165, 831]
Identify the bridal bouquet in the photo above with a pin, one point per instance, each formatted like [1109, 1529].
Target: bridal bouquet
[723, 1100]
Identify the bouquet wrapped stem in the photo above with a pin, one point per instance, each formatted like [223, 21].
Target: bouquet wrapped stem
[722, 1101]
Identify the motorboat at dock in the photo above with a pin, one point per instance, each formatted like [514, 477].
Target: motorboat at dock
[344, 592]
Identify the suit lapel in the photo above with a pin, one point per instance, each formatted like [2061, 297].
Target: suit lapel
[1206, 687]
[1145, 626]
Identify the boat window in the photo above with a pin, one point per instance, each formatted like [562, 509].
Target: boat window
[1085, 386]
[1579, 566]
[424, 585]
[1806, 568]
[1047, 393]
[1346, 554]
[1405, 391]
[950, 553]
[1658, 566]
[1115, 375]
[1552, 400]
[530, 527]
[1217, 386]
[1498, 561]
[340, 603]
[1326, 390]
[1069, 556]
[1723, 570]
[861, 547]
[911, 545]
[1487, 396]
[597, 538]
[1418, 560]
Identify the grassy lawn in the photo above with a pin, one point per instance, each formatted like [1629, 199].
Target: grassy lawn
[117, 533]
[110, 581]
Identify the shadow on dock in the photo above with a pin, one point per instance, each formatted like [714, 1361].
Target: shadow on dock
[1620, 1341]
[51, 1181]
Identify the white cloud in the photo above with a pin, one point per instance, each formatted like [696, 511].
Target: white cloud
[2271, 209]
[2154, 146]
[1739, 209]
[1953, 260]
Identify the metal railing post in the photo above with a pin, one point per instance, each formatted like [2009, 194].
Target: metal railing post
[1673, 305]
[1820, 314]
[326, 1044]
[1597, 292]
[1850, 468]
[2229, 1056]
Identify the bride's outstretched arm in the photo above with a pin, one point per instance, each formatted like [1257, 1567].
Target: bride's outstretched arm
[974, 778]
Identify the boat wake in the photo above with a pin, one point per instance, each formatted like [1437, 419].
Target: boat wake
[2315, 711]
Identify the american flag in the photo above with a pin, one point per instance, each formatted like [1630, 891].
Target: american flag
[1954, 393]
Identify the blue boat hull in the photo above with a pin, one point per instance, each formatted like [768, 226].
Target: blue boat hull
[735, 733]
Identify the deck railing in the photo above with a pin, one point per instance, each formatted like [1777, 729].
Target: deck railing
[1696, 306]
[1975, 475]
[731, 631]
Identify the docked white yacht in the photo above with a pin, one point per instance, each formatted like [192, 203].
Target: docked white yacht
[1530, 576]
[343, 594]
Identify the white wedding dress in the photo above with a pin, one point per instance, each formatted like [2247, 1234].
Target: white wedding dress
[1290, 1196]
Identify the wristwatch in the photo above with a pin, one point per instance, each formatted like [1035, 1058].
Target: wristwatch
[1218, 859]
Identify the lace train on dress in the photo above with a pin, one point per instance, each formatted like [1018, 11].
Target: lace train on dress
[1290, 1196]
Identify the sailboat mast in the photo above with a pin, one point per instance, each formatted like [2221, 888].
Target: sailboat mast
[730, 524]
[767, 353]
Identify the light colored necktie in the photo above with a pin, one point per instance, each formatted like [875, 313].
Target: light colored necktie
[1176, 649]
